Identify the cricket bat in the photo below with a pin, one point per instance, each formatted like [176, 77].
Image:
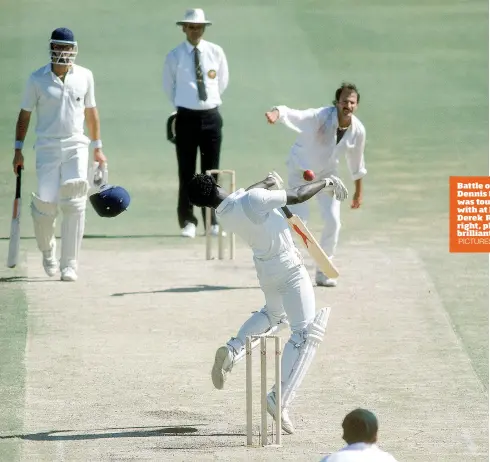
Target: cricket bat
[311, 244]
[14, 242]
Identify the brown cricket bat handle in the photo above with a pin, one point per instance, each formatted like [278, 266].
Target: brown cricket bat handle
[287, 212]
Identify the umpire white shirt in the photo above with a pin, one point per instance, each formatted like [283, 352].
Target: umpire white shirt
[60, 106]
[360, 452]
[316, 146]
[179, 75]
[253, 216]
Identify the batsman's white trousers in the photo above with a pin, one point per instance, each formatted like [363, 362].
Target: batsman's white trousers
[58, 161]
[289, 292]
[289, 296]
[329, 209]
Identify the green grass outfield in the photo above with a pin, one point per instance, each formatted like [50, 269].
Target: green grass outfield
[422, 69]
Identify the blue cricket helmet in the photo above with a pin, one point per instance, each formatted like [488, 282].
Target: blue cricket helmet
[63, 47]
[110, 201]
[63, 35]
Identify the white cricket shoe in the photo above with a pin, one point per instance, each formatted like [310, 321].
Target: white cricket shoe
[68, 274]
[322, 280]
[189, 230]
[214, 231]
[223, 362]
[286, 423]
[50, 264]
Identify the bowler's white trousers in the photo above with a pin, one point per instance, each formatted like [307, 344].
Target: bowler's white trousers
[329, 209]
[57, 161]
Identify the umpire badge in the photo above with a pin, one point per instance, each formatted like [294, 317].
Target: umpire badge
[171, 127]
[212, 74]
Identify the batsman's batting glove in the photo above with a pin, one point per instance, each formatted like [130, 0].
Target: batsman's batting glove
[335, 184]
[278, 180]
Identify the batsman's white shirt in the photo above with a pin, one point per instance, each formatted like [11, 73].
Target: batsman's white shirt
[179, 75]
[316, 146]
[360, 452]
[61, 145]
[60, 106]
[287, 287]
[253, 216]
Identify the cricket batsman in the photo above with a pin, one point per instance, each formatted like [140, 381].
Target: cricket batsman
[289, 296]
[62, 93]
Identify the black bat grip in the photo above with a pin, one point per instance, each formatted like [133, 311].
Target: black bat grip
[287, 212]
[18, 182]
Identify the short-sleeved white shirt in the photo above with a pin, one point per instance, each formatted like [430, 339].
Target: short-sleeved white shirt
[360, 452]
[60, 107]
[252, 215]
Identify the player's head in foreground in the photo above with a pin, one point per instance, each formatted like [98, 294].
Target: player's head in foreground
[203, 191]
[360, 426]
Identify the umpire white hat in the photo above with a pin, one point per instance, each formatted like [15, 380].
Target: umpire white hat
[194, 16]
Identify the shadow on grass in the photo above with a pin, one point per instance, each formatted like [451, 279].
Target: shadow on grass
[107, 236]
[130, 432]
[199, 288]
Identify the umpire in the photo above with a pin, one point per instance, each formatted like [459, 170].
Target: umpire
[195, 76]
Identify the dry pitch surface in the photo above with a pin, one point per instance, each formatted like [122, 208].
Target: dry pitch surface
[118, 364]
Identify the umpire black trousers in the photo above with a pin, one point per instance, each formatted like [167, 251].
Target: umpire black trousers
[196, 130]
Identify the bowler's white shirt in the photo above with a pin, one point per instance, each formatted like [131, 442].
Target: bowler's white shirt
[316, 146]
[60, 107]
[360, 452]
[252, 215]
[179, 75]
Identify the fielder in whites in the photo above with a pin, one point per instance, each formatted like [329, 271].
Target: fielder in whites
[289, 296]
[325, 135]
[62, 93]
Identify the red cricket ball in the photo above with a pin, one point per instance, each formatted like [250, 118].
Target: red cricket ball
[308, 175]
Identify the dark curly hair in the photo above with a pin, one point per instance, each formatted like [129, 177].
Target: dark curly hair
[360, 425]
[348, 86]
[202, 190]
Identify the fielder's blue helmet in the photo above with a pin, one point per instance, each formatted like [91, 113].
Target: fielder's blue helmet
[110, 201]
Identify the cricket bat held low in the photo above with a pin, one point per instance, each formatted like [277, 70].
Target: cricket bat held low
[311, 244]
[14, 241]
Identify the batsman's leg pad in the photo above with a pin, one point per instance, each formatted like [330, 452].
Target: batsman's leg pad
[259, 323]
[73, 203]
[299, 353]
[44, 218]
